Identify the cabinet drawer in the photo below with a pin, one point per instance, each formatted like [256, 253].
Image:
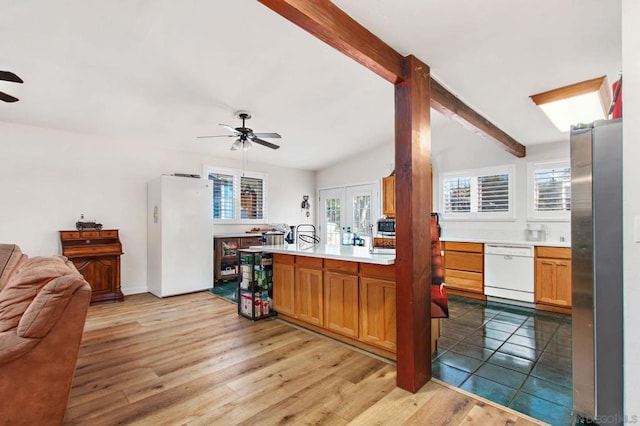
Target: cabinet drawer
[69, 235]
[309, 262]
[554, 252]
[469, 247]
[384, 272]
[464, 261]
[92, 250]
[285, 259]
[463, 280]
[341, 266]
[89, 234]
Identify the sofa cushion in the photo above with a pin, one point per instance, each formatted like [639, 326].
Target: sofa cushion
[10, 258]
[25, 284]
[47, 307]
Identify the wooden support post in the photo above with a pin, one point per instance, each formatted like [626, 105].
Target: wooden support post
[413, 240]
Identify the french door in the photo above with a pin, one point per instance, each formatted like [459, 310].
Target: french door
[350, 206]
[331, 205]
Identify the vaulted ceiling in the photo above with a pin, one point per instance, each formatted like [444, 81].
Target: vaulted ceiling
[169, 71]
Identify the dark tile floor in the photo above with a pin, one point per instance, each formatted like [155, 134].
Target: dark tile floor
[227, 289]
[517, 357]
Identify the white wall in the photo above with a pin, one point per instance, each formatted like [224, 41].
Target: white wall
[631, 202]
[371, 166]
[455, 148]
[48, 178]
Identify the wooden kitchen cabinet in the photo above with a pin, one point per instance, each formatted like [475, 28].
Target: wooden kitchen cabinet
[378, 305]
[308, 290]
[341, 297]
[96, 255]
[389, 196]
[464, 268]
[283, 284]
[553, 279]
[358, 300]
[378, 312]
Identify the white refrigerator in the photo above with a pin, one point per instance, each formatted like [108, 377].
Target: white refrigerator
[179, 235]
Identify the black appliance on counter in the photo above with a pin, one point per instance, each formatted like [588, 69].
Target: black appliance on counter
[386, 226]
[290, 238]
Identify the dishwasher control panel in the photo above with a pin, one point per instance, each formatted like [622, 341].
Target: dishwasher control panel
[508, 250]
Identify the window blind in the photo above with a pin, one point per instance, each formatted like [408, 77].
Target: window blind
[457, 195]
[222, 195]
[552, 189]
[493, 193]
[251, 198]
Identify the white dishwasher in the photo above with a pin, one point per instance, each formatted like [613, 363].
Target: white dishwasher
[508, 272]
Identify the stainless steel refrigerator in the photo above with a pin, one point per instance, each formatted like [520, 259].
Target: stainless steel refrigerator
[596, 248]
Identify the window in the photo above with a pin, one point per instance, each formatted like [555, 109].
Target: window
[478, 194]
[549, 191]
[238, 196]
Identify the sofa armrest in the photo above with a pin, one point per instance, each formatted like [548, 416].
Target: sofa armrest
[13, 347]
[47, 307]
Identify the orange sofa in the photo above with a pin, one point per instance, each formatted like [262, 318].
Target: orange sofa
[43, 308]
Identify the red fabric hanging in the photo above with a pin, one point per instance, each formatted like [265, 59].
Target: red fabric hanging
[439, 304]
[617, 108]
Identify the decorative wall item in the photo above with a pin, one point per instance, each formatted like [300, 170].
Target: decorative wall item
[305, 206]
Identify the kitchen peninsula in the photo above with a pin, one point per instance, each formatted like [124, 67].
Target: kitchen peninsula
[343, 292]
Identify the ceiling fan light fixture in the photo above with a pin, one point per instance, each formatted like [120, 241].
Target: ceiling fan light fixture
[236, 145]
[582, 102]
[246, 145]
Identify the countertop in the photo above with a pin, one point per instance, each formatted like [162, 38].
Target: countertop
[237, 235]
[509, 242]
[346, 253]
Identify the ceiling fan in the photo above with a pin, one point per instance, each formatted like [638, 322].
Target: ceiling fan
[245, 135]
[9, 76]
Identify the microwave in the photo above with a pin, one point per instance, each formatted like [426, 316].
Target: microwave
[387, 226]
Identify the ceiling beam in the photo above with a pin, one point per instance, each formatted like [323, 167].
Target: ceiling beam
[448, 104]
[329, 23]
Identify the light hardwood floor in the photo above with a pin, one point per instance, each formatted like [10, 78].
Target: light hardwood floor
[192, 360]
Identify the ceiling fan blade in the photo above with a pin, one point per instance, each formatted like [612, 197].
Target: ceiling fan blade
[9, 76]
[7, 98]
[264, 143]
[267, 135]
[229, 128]
[216, 136]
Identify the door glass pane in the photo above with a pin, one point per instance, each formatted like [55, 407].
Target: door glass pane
[332, 219]
[361, 214]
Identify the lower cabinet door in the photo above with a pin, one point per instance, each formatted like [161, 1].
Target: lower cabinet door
[341, 303]
[308, 295]
[378, 312]
[553, 282]
[283, 286]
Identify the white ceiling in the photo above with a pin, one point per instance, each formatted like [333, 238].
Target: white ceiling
[168, 71]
